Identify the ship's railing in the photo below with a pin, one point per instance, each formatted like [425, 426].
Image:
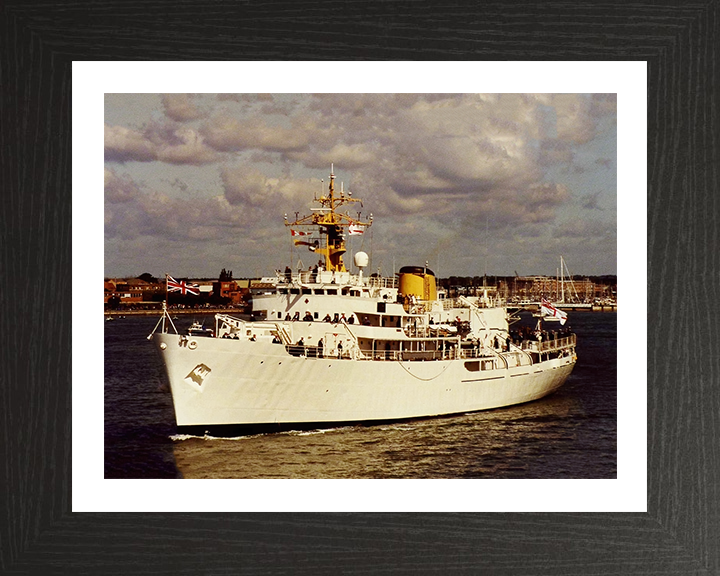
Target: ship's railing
[342, 278]
[368, 354]
[464, 302]
[316, 277]
[451, 352]
[449, 303]
[517, 356]
[491, 359]
[550, 344]
[381, 282]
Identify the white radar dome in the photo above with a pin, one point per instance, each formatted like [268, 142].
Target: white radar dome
[361, 260]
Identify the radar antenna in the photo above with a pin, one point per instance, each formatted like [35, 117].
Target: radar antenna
[331, 225]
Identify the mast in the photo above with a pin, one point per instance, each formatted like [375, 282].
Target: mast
[331, 225]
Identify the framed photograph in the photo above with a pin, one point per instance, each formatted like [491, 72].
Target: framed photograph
[496, 180]
[64, 515]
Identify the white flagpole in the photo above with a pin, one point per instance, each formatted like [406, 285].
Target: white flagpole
[165, 301]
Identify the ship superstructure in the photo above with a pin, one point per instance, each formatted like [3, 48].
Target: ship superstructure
[326, 345]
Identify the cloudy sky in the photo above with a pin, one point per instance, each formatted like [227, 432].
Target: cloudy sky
[467, 182]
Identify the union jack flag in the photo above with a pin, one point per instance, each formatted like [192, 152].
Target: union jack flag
[182, 287]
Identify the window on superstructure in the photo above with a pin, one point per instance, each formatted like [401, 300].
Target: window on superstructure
[472, 366]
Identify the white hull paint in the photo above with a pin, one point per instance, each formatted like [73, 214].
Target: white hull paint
[219, 382]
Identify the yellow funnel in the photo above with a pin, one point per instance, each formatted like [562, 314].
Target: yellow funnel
[418, 281]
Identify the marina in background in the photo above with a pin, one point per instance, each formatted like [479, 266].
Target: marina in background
[146, 293]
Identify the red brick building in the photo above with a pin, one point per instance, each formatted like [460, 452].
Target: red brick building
[131, 290]
[235, 290]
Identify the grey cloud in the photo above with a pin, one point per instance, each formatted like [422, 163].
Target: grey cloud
[124, 144]
[226, 133]
[552, 152]
[131, 211]
[445, 146]
[603, 105]
[179, 184]
[246, 186]
[349, 156]
[584, 229]
[180, 107]
[590, 201]
[165, 143]
[538, 204]
[604, 162]
[245, 98]
[448, 161]
[156, 214]
[575, 121]
[119, 189]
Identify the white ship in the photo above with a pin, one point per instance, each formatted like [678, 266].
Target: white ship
[327, 346]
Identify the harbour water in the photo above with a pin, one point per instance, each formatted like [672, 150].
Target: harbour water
[570, 434]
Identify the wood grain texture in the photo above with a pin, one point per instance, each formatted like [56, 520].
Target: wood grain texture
[680, 534]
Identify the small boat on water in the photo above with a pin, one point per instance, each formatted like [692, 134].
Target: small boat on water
[199, 331]
[330, 346]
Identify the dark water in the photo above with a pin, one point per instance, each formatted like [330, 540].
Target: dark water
[570, 434]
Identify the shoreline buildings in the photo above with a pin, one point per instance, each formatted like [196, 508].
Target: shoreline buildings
[148, 293]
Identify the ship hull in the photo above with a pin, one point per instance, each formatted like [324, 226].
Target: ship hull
[219, 382]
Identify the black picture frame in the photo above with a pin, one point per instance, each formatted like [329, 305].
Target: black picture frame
[38, 532]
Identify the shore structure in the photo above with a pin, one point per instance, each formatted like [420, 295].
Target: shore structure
[330, 346]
